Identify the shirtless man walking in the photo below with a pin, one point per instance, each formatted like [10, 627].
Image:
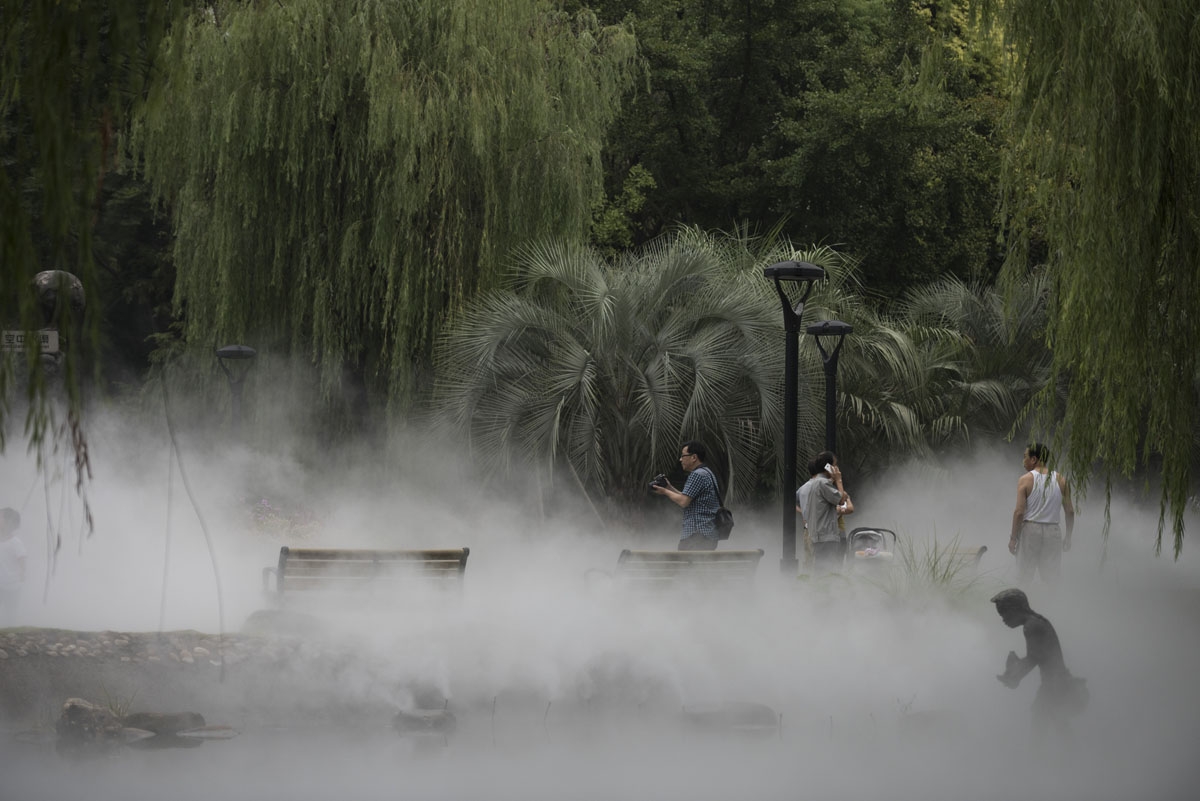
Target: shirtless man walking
[1036, 539]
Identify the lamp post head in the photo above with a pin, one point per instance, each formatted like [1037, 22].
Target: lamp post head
[803, 275]
[236, 352]
[239, 355]
[832, 328]
[795, 271]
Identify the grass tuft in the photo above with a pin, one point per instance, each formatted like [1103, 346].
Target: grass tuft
[930, 568]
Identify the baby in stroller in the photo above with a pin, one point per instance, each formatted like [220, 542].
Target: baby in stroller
[869, 544]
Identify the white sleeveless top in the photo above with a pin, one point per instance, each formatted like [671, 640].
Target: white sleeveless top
[1045, 499]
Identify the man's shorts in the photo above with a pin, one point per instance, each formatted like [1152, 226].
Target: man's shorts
[1039, 550]
[698, 542]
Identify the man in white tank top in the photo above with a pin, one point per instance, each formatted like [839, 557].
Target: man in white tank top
[1036, 540]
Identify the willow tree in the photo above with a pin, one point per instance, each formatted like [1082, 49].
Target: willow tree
[341, 173]
[70, 73]
[1106, 167]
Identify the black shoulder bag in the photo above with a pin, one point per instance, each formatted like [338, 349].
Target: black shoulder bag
[723, 520]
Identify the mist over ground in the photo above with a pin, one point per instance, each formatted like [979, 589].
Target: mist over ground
[566, 687]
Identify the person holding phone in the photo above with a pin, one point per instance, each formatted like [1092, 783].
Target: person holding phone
[820, 501]
[699, 499]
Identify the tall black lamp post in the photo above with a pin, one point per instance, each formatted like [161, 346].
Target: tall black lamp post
[839, 330]
[240, 357]
[800, 275]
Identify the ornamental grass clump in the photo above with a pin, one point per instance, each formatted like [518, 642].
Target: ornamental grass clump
[932, 568]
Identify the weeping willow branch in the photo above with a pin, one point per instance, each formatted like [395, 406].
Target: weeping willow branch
[343, 174]
[70, 73]
[1104, 177]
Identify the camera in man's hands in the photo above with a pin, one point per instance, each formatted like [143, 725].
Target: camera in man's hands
[658, 481]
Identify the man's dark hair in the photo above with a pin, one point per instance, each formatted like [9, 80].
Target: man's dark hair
[696, 448]
[817, 465]
[1012, 599]
[1039, 451]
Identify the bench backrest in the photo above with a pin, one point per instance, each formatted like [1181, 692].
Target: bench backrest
[966, 556]
[302, 569]
[652, 570]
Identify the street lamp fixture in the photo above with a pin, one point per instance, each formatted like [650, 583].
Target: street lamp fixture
[791, 278]
[240, 356]
[829, 358]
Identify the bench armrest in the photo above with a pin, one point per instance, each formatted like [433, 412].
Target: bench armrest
[267, 571]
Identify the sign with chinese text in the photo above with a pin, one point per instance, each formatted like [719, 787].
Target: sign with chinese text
[45, 340]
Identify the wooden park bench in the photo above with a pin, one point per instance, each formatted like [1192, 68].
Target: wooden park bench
[305, 569]
[656, 570]
[967, 556]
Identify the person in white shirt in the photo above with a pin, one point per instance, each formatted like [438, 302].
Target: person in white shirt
[12, 564]
[1037, 541]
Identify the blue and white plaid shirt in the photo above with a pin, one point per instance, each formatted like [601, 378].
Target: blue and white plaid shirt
[698, 515]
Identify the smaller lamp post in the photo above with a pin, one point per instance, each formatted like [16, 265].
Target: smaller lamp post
[838, 329]
[240, 356]
[803, 275]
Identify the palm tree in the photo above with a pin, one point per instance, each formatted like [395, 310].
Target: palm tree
[957, 361]
[600, 369]
[895, 392]
[998, 344]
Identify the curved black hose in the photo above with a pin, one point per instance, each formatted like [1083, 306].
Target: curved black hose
[212, 554]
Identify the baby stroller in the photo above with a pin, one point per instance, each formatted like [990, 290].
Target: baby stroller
[867, 550]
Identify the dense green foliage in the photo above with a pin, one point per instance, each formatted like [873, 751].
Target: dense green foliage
[342, 174]
[1106, 169]
[872, 124]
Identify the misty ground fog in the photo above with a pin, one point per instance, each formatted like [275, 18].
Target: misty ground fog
[565, 687]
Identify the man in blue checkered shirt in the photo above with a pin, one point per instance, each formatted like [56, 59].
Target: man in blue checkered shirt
[699, 500]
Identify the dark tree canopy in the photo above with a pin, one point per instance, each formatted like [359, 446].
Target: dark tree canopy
[70, 74]
[871, 125]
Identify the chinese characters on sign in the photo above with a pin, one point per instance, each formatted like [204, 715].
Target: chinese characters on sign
[46, 340]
